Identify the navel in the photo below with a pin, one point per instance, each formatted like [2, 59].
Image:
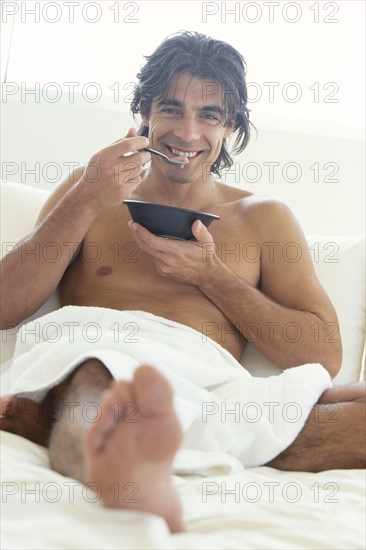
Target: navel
[104, 270]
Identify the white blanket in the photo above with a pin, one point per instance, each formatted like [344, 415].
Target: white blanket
[222, 408]
[252, 508]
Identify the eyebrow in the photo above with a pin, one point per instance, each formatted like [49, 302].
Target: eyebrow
[169, 102]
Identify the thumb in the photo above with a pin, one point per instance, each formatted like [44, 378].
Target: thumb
[201, 233]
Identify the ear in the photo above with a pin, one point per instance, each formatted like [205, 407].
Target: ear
[144, 113]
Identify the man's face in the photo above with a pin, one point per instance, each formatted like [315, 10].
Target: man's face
[190, 120]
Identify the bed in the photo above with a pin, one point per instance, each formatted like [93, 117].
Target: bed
[255, 508]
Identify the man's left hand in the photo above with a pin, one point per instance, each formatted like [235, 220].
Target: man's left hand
[190, 262]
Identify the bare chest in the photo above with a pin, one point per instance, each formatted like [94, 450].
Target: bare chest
[110, 258]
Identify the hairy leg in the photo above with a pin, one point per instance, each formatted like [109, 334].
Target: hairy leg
[334, 435]
[26, 418]
[77, 402]
[34, 421]
[121, 436]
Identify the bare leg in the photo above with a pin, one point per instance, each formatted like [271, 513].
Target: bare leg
[334, 435]
[77, 401]
[121, 436]
[34, 421]
[26, 418]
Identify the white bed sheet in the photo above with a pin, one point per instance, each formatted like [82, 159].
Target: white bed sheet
[270, 509]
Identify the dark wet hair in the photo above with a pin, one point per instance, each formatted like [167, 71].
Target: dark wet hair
[207, 59]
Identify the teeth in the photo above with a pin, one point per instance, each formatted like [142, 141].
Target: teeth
[184, 153]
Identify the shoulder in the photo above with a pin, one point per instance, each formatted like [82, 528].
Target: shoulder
[268, 213]
[260, 211]
[271, 223]
[61, 190]
[259, 204]
[247, 200]
[277, 231]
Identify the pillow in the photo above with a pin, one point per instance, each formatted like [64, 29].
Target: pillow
[340, 266]
[20, 206]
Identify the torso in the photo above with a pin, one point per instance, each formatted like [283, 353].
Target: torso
[111, 271]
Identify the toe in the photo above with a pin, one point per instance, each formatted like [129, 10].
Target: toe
[152, 391]
[114, 404]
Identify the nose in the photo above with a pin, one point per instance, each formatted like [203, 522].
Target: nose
[187, 128]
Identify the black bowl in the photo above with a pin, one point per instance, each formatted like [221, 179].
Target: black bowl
[167, 221]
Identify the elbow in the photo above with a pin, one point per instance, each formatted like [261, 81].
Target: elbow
[332, 359]
[8, 321]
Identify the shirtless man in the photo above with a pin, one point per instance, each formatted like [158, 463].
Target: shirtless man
[191, 97]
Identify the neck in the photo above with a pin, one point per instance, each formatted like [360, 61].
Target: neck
[158, 188]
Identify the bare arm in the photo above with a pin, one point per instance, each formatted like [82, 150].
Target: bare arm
[287, 336]
[31, 272]
[290, 319]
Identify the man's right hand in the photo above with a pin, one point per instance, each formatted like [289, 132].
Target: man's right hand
[110, 176]
[29, 279]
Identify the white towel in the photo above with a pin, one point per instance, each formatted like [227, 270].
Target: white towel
[222, 408]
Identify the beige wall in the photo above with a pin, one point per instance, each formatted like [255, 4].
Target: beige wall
[49, 137]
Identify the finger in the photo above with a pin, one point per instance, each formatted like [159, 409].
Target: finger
[136, 161]
[131, 133]
[127, 145]
[159, 244]
[201, 233]
[133, 144]
[139, 231]
[146, 240]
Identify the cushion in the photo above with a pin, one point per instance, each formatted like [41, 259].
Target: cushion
[339, 263]
[20, 206]
[340, 266]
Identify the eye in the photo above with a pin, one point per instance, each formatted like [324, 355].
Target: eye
[169, 111]
[211, 117]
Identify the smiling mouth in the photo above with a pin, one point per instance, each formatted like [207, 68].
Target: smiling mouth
[187, 154]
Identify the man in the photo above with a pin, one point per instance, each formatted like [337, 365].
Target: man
[191, 97]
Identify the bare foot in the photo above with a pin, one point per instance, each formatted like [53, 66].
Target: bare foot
[130, 448]
[26, 418]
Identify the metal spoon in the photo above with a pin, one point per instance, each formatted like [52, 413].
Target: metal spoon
[175, 160]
